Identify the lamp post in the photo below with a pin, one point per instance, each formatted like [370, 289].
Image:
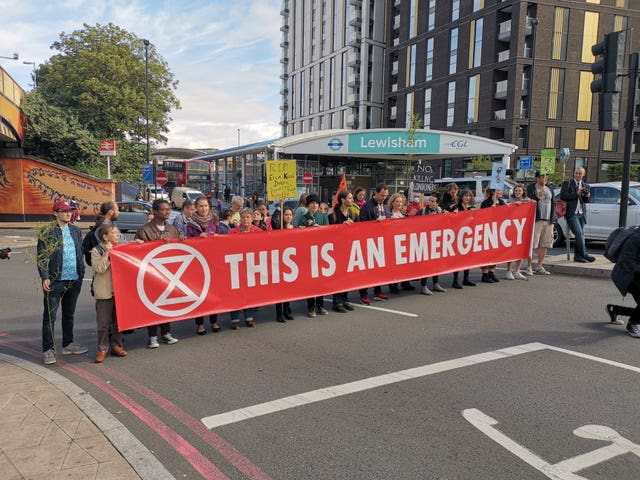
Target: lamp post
[14, 57]
[146, 98]
[35, 79]
[534, 26]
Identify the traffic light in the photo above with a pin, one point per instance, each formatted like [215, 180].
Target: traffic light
[609, 66]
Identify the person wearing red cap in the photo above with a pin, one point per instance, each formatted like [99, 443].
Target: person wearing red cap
[60, 264]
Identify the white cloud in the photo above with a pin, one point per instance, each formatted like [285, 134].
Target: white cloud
[224, 54]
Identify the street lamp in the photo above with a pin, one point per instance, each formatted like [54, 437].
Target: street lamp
[534, 26]
[14, 57]
[35, 79]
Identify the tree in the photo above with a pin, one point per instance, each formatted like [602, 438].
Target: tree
[97, 83]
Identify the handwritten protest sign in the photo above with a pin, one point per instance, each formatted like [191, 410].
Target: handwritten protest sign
[281, 179]
[423, 180]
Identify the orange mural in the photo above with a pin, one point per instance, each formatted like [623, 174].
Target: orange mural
[30, 187]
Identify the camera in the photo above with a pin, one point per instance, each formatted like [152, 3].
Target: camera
[4, 253]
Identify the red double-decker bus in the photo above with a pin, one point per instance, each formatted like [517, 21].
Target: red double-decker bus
[196, 174]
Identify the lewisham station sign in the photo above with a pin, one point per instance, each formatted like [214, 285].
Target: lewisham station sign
[393, 142]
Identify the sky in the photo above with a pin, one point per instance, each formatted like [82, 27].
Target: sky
[225, 55]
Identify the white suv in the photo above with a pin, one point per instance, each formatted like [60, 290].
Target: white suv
[602, 213]
[151, 193]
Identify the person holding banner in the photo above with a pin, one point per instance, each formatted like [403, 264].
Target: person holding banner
[492, 198]
[374, 210]
[314, 218]
[432, 208]
[450, 198]
[359, 199]
[201, 224]
[246, 226]
[159, 229]
[342, 214]
[518, 197]
[397, 209]
[466, 202]
[283, 309]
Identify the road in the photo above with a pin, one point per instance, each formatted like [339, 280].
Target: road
[411, 388]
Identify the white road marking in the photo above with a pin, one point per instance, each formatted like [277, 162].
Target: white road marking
[566, 469]
[313, 396]
[380, 309]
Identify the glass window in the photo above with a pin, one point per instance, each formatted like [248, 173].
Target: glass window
[610, 141]
[606, 195]
[582, 139]
[620, 23]
[475, 43]
[431, 15]
[556, 94]
[622, 4]
[453, 50]
[413, 13]
[409, 110]
[560, 33]
[589, 35]
[597, 2]
[585, 97]
[455, 10]
[411, 65]
[478, 5]
[473, 99]
[427, 109]
[429, 62]
[447, 168]
[451, 102]
[552, 137]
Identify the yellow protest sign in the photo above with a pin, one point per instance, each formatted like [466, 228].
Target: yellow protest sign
[281, 179]
[547, 161]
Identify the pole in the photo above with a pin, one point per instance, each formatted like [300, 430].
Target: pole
[146, 98]
[628, 138]
[534, 27]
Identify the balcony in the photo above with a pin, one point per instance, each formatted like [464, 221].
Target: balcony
[284, 44]
[284, 12]
[356, 39]
[500, 115]
[504, 32]
[353, 99]
[354, 81]
[396, 22]
[525, 86]
[284, 28]
[284, 60]
[501, 89]
[503, 56]
[354, 60]
[284, 91]
[393, 113]
[356, 19]
[528, 51]
[394, 68]
[356, 3]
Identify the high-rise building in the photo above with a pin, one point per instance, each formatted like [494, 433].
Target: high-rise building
[512, 70]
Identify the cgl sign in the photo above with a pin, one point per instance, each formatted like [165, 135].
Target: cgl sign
[459, 144]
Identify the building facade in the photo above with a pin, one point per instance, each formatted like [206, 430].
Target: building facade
[515, 71]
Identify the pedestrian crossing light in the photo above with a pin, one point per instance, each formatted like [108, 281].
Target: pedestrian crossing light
[609, 66]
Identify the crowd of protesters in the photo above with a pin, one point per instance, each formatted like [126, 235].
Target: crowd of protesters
[199, 220]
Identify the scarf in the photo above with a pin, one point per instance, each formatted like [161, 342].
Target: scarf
[203, 222]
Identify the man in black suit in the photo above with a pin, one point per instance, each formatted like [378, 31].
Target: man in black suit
[576, 193]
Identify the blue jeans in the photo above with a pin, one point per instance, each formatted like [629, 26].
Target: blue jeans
[64, 293]
[576, 225]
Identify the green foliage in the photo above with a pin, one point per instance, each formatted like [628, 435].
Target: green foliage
[481, 162]
[94, 88]
[43, 235]
[614, 172]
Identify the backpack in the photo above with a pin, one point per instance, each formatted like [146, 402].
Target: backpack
[88, 242]
[616, 240]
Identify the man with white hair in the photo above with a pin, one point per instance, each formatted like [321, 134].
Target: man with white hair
[576, 193]
[237, 203]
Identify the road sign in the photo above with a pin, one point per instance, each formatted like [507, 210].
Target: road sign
[147, 173]
[307, 178]
[108, 148]
[526, 162]
[161, 178]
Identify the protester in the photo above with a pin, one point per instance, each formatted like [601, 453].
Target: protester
[283, 309]
[258, 220]
[60, 264]
[181, 221]
[102, 289]
[518, 197]
[397, 209]
[576, 193]
[545, 218]
[224, 224]
[492, 198]
[466, 201]
[237, 204]
[300, 209]
[432, 208]
[343, 214]
[449, 201]
[203, 223]
[626, 277]
[359, 199]
[159, 229]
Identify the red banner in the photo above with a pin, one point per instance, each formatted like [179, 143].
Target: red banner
[157, 282]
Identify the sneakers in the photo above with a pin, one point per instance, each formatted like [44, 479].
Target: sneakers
[381, 297]
[613, 316]
[633, 329]
[541, 271]
[530, 271]
[49, 357]
[323, 311]
[365, 301]
[339, 308]
[169, 339]
[153, 342]
[438, 288]
[347, 306]
[509, 275]
[311, 313]
[74, 348]
[519, 276]
[426, 291]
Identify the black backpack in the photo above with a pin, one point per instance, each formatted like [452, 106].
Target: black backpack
[88, 242]
[616, 240]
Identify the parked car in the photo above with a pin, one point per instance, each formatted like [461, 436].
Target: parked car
[133, 215]
[180, 194]
[287, 203]
[602, 213]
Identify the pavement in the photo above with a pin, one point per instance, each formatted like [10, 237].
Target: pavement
[51, 429]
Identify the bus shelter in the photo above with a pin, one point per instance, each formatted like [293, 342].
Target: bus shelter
[366, 157]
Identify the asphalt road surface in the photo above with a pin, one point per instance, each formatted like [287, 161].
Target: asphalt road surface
[516, 380]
